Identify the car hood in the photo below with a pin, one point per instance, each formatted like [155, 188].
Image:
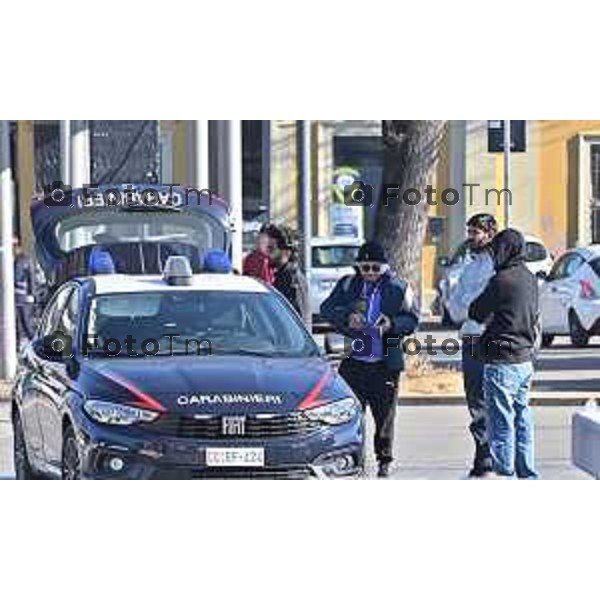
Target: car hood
[213, 384]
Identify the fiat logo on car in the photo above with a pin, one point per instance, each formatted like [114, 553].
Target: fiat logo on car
[233, 426]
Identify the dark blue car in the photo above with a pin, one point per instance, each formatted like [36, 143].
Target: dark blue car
[182, 374]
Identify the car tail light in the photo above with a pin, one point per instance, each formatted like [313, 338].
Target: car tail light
[587, 289]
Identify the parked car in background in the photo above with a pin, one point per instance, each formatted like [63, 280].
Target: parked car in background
[332, 259]
[345, 229]
[570, 297]
[538, 260]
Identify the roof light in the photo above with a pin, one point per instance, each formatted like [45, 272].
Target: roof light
[178, 271]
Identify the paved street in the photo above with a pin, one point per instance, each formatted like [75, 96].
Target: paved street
[431, 443]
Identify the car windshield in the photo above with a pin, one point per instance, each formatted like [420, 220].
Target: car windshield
[334, 256]
[195, 322]
[91, 229]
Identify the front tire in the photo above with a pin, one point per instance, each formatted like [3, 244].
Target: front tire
[579, 336]
[71, 457]
[23, 468]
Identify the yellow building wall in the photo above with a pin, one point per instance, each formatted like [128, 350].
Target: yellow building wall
[284, 173]
[557, 199]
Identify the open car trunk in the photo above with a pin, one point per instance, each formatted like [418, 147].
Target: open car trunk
[138, 238]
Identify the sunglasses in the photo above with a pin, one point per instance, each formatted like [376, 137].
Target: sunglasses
[370, 267]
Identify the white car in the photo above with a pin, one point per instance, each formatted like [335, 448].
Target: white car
[537, 259]
[332, 259]
[570, 297]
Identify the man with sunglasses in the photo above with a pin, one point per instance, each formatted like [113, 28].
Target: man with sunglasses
[375, 311]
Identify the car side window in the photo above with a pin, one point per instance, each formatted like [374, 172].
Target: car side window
[54, 312]
[68, 318]
[559, 268]
[573, 264]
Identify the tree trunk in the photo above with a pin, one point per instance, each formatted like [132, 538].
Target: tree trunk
[411, 150]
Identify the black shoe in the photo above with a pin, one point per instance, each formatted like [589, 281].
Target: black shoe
[383, 472]
[479, 473]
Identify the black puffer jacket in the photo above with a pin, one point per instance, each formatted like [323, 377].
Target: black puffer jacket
[509, 304]
[290, 281]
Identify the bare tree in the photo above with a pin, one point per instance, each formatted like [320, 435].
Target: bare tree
[411, 150]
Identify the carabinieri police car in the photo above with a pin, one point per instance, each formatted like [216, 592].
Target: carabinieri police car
[144, 366]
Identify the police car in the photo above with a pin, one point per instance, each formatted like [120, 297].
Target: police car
[173, 374]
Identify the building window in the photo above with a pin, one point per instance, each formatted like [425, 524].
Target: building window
[595, 181]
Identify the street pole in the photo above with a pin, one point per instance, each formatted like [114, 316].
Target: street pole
[305, 193]
[233, 186]
[8, 334]
[201, 177]
[507, 196]
[80, 154]
[65, 151]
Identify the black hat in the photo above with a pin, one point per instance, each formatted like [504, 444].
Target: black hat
[371, 252]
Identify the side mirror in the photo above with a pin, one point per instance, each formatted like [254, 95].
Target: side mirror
[443, 261]
[542, 275]
[54, 348]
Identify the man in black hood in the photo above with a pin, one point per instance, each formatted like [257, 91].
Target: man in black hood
[510, 308]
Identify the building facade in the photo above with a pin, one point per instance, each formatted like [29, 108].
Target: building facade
[555, 181]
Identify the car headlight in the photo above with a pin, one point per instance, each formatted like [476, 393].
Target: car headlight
[334, 413]
[110, 413]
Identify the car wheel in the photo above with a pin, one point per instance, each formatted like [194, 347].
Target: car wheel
[579, 336]
[23, 469]
[71, 458]
[547, 340]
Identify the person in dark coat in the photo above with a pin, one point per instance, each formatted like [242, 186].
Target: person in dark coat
[289, 278]
[509, 306]
[375, 310]
[24, 273]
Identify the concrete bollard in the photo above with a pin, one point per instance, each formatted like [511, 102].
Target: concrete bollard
[586, 439]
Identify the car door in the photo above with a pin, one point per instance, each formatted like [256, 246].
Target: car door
[558, 293]
[30, 386]
[55, 381]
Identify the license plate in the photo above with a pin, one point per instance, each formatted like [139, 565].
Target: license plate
[235, 457]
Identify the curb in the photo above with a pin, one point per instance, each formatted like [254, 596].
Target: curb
[575, 399]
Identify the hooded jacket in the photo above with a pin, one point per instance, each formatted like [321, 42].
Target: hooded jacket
[509, 304]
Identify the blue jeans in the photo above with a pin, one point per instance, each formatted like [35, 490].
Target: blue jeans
[510, 420]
